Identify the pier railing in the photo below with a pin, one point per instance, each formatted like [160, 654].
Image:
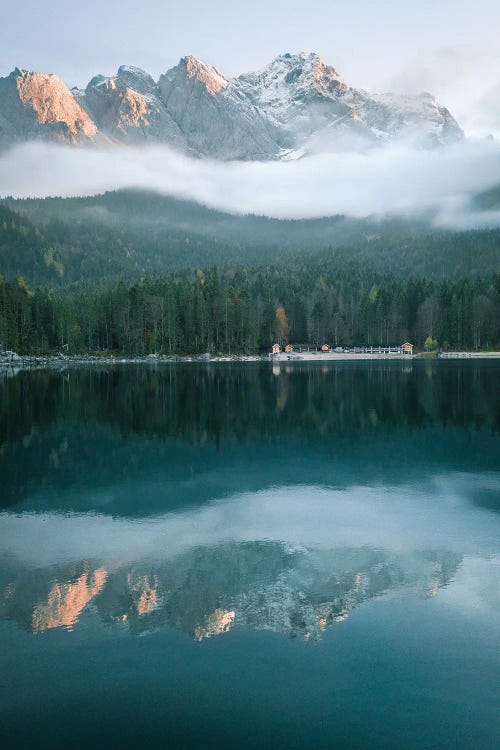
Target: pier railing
[372, 350]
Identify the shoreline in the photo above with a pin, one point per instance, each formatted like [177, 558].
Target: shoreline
[18, 362]
[338, 356]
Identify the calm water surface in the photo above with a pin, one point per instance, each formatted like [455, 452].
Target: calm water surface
[242, 555]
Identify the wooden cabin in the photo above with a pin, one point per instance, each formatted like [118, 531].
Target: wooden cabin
[407, 348]
[325, 348]
[276, 349]
[288, 349]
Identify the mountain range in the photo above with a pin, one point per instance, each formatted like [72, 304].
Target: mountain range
[295, 105]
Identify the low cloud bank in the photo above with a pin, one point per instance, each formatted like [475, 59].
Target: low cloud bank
[396, 180]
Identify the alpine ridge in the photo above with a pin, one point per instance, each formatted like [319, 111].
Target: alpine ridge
[295, 105]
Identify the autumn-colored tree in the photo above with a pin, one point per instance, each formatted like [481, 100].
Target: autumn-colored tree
[281, 325]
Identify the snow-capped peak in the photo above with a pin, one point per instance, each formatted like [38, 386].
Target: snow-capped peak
[136, 79]
[213, 80]
[291, 82]
[289, 89]
[299, 68]
[127, 77]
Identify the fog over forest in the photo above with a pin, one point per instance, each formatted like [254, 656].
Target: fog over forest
[398, 180]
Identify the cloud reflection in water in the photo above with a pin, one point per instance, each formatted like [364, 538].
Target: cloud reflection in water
[294, 560]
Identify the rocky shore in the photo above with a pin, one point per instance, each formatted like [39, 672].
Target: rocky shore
[13, 362]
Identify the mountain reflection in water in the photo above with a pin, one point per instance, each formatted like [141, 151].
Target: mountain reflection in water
[277, 497]
[204, 593]
[294, 560]
[313, 553]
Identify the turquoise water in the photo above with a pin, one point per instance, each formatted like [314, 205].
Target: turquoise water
[242, 555]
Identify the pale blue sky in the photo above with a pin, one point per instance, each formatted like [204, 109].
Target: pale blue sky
[365, 39]
[447, 46]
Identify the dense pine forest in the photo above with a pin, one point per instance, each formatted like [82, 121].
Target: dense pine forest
[136, 273]
[244, 311]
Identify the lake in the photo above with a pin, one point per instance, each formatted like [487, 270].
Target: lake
[251, 555]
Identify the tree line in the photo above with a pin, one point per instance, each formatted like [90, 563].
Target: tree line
[236, 310]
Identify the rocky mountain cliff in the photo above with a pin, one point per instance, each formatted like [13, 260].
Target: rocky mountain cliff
[36, 105]
[295, 105]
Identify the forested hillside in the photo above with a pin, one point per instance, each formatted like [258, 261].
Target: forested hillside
[129, 235]
[24, 251]
[138, 273]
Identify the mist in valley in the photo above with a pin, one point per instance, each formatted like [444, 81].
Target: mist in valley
[399, 180]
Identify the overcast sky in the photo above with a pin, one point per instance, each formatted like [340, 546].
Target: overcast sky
[366, 40]
[449, 47]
